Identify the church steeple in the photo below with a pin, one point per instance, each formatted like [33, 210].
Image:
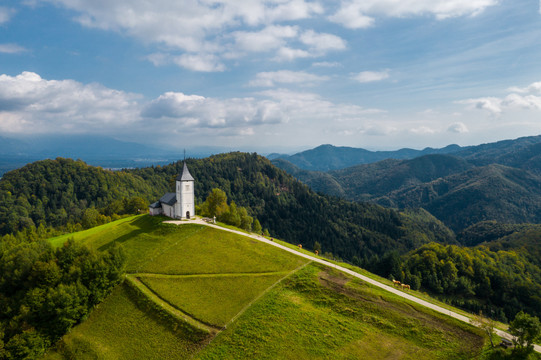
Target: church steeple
[185, 204]
[185, 176]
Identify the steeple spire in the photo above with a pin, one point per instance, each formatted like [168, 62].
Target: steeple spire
[185, 176]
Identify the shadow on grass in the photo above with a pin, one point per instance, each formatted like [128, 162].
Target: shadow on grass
[143, 223]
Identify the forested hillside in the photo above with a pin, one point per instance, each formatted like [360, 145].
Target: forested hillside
[290, 210]
[72, 195]
[454, 190]
[64, 193]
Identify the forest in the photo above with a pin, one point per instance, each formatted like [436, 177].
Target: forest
[46, 291]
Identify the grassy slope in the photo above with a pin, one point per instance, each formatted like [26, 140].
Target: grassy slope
[208, 298]
[304, 316]
[322, 314]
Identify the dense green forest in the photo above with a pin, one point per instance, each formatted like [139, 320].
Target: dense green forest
[67, 193]
[453, 189]
[44, 292]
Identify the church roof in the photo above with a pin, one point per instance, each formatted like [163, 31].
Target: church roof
[186, 176]
[169, 199]
[156, 205]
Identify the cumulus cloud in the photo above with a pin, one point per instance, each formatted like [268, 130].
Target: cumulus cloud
[458, 128]
[11, 49]
[321, 43]
[199, 62]
[371, 76]
[269, 79]
[351, 16]
[268, 39]
[198, 111]
[534, 87]
[202, 29]
[30, 104]
[491, 104]
[279, 39]
[357, 14]
[526, 98]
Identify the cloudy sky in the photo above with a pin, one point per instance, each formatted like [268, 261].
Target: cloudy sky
[275, 75]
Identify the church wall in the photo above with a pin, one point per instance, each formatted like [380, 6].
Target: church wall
[168, 210]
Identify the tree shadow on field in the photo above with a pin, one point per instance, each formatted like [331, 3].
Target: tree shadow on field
[144, 224]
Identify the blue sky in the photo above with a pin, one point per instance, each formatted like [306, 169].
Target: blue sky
[279, 75]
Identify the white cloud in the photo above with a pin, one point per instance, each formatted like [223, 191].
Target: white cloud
[30, 104]
[321, 43]
[360, 13]
[269, 79]
[279, 39]
[5, 14]
[288, 54]
[11, 49]
[492, 104]
[350, 15]
[520, 98]
[268, 39]
[199, 62]
[458, 128]
[180, 110]
[371, 76]
[200, 29]
[534, 87]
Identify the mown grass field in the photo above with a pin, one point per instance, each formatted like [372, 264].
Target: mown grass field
[287, 310]
[209, 298]
[321, 314]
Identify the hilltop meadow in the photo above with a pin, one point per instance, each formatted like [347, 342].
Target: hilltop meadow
[243, 299]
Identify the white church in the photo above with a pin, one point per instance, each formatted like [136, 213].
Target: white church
[180, 204]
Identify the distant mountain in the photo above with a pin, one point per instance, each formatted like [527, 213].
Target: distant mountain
[492, 192]
[499, 181]
[329, 157]
[523, 152]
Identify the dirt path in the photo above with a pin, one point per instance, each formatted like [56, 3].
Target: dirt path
[352, 273]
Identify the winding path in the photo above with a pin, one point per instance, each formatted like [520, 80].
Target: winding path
[388, 288]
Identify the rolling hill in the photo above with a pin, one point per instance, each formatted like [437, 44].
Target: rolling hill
[329, 157]
[64, 193]
[523, 151]
[499, 181]
[198, 292]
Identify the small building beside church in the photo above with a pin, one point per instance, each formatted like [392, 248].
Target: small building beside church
[181, 203]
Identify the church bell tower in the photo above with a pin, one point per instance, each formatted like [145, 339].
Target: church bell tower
[185, 205]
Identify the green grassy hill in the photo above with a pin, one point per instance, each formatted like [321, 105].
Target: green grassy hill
[199, 292]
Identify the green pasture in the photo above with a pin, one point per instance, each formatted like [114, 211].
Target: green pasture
[111, 229]
[154, 247]
[321, 314]
[121, 329]
[214, 276]
[211, 299]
